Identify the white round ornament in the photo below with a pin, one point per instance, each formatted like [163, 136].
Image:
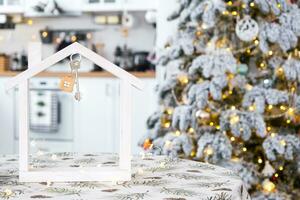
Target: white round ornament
[247, 29]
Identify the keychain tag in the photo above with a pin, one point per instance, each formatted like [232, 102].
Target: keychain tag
[67, 84]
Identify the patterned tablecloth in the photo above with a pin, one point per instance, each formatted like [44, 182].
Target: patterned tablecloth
[158, 178]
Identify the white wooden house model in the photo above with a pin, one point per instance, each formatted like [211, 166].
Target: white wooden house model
[35, 66]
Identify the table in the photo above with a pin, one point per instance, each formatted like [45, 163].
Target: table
[158, 177]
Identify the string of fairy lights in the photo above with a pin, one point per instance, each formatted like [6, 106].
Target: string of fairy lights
[210, 117]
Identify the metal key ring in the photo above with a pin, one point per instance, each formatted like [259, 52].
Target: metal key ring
[71, 57]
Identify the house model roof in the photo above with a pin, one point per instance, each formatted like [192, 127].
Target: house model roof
[74, 48]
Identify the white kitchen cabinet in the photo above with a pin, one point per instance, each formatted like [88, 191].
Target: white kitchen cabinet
[11, 6]
[18, 6]
[140, 5]
[119, 5]
[6, 120]
[98, 115]
[95, 123]
[144, 104]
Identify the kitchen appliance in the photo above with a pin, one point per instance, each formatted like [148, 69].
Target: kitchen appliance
[140, 61]
[50, 111]
[18, 62]
[124, 58]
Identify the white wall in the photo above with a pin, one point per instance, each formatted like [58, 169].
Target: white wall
[141, 36]
[165, 28]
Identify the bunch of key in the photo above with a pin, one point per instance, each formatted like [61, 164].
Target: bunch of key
[67, 83]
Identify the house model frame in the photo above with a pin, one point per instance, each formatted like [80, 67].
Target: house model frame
[35, 66]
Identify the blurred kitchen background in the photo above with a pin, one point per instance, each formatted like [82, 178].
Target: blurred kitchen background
[127, 32]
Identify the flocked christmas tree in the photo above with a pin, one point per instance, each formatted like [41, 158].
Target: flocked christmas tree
[232, 94]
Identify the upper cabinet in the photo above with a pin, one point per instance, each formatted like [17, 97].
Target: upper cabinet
[118, 5]
[140, 5]
[35, 7]
[11, 6]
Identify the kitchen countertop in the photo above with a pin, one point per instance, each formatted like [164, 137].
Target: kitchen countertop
[98, 74]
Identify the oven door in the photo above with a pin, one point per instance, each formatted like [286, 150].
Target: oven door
[50, 117]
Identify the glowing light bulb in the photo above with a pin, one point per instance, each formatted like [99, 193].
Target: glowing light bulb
[281, 168]
[229, 3]
[209, 151]
[251, 108]
[30, 22]
[232, 139]
[193, 154]
[183, 79]
[44, 34]
[260, 161]
[279, 70]
[235, 159]
[244, 149]
[282, 108]
[270, 107]
[204, 26]
[225, 12]
[249, 87]
[293, 89]
[283, 142]
[262, 65]
[169, 111]
[269, 186]
[291, 111]
[177, 133]
[73, 38]
[234, 119]
[273, 134]
[147, 144]
[167, 124]
[191, 130]
[234, 13]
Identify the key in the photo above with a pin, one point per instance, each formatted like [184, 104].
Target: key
[75, 66]
[77, 93]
